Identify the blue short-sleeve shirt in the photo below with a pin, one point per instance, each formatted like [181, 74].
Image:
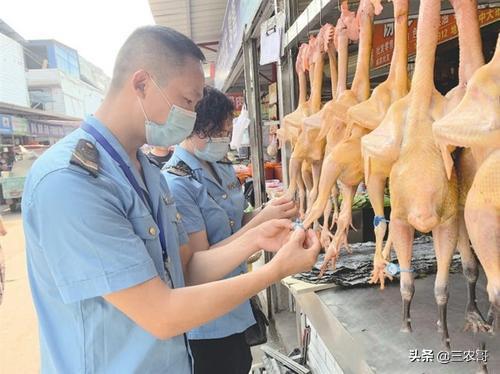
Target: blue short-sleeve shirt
[217, 208]
[90, 236]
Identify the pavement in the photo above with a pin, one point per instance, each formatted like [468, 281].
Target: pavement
[18, 324]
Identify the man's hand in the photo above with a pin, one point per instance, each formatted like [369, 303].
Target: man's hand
[279, 208]
[271, 235]
[299, 254]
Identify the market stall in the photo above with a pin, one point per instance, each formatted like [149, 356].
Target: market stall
[350, 77]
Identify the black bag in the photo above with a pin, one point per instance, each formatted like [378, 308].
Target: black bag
[257, 334]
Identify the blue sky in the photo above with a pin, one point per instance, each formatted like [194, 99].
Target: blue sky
[95, 28]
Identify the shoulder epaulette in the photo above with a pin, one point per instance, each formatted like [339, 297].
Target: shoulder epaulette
[152, 160]
[181, 169]
[86, 156]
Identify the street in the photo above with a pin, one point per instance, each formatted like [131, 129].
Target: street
[18, 326]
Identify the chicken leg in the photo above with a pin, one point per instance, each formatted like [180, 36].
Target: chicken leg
[445, 241]
[474, 321]
[403, 241]
[482, 217]
[344, 222]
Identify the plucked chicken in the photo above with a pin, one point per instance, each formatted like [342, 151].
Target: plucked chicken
[474, 123]
[424, 201]
[344, 162]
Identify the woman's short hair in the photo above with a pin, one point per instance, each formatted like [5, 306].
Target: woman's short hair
[211, 112]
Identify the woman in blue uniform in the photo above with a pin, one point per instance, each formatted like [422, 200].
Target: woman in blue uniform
[210, 201]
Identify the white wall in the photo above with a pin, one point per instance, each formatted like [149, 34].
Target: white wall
[13, 87]
[80, 98]
[57, 105]
[68, 95]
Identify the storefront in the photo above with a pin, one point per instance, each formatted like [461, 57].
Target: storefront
[342, 327]
[8, 140]
[16, 130]
[43, 132]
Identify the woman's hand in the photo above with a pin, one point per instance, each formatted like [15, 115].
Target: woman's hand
[271, 235]
[279, 208]
[299, 254]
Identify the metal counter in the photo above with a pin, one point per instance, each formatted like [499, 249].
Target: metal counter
[360, 328]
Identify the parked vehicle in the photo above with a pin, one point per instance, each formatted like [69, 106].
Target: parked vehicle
[13, 181]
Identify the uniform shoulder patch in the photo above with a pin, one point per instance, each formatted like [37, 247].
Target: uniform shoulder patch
[86, 156]
[152, 160]
[181, 169]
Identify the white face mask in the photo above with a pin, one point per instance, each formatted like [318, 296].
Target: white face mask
[215, 149]
[177, 127]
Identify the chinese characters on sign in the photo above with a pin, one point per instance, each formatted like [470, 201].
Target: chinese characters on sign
[445, 357]
[383, 35]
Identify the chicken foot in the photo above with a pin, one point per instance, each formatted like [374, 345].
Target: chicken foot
[344, 222]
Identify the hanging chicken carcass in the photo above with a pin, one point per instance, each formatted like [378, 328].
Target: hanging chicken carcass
[422, 197]
[303, 145]
[332, 129]
[474, 123]
[292, 122]
[344, 162]
[370, 114]
[471, 59]
[386, 118]
[312, 124]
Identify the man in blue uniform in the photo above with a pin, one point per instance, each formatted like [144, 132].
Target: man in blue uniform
[103, 234]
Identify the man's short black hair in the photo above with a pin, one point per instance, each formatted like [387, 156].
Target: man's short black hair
[211, 112]
[155, 49]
